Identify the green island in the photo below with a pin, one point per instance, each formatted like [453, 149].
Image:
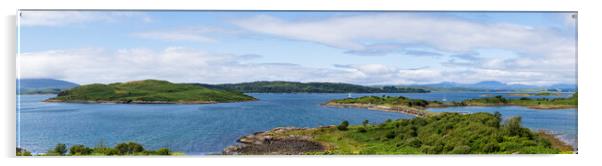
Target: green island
[419, 107]
[313, 87]
[148, 92]
[540, 103]
[122, 149]
[535, 94]
[444, 133]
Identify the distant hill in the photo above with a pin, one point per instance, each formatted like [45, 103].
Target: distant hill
[312, 87]
[148, 92]
[43, 86]
[494, 86]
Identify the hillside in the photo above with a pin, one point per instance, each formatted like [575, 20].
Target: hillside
[148, 91]
[446, 133]
[42, 86]
[313, 87]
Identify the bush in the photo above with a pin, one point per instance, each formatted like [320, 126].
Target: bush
[59, 149]
[129, 148]
[163, 151]
[362, 130]
[80, 150]
[343, 126]
[365, 122]
[390, 135]
[23, 152]
[462, 149]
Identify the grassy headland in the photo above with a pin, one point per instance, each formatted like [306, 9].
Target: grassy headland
[391, 103]
[541, 103]
[148, 92]
[445, 133]
[418, 107]
[313, 87]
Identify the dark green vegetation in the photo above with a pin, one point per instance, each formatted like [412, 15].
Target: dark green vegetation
[313, 87]
[541, 103]
[445, 133]
[148, 91]
[418, 106]
[42, 86]
[128, 148]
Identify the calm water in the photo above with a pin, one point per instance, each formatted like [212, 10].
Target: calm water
[202, 129]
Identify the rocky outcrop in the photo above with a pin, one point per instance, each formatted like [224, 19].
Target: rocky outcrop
[274, 143]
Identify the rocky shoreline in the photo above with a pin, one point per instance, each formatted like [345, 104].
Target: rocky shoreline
[273, 142]
[406, 110]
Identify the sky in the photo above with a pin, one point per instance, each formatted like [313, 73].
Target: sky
[367, 48]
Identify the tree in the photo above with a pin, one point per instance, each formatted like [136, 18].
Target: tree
[513, 126]
[23, 152]
[163, 151]
[343, 125]
[129, 148]
[365, 122]
[80, 150]
[60, 149]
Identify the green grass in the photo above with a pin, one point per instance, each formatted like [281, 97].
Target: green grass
[446, 133]
[150, 90]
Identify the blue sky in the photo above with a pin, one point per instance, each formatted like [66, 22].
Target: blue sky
[369, 48]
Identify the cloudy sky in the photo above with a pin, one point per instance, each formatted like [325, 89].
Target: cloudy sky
[368, 48]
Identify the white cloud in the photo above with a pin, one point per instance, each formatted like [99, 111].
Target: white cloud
[452, 35]
[62, 18]
[179, 64]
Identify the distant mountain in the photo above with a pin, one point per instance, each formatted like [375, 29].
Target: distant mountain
[43, 86]
[312, 87]
[493, 86]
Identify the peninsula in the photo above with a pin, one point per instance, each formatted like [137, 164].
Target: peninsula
[445, 133]
[148, 92]
[418, 106]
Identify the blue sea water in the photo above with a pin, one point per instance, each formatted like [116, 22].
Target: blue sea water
[206, 129]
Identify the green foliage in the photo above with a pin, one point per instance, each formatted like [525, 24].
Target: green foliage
[77, 150]
[149, 90]
[59, 149]
[23, 152]
[314, 87]
[365, 123]
[524, 101]
[387, 100]
[129, 148]
[445, 133]
[343, 126]
[163, 151]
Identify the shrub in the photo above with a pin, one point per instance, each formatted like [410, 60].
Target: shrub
[362, 130]
[390, 135]
[461, 149]
[365, 122]
[129, 148]
[23, 152]
[343, 126]
[163, 151]
[59, 149]
[80, 150]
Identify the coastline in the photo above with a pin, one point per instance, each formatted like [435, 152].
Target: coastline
[406, 110]
[137, 102]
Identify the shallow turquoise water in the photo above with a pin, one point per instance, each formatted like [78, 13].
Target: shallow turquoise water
[202, 129]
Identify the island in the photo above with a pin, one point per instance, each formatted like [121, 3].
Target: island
[445, 133]
[419, 107]
[148, 92]
[313, 87]
[540, 103]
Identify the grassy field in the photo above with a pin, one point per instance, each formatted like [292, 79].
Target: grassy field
[149, 91]
[446, 133]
